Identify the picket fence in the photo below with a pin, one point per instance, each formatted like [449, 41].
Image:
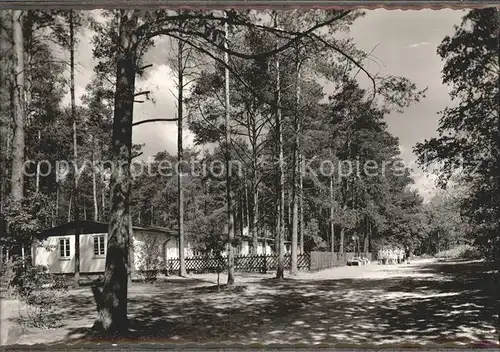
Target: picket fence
[263, 263]
[242, 263]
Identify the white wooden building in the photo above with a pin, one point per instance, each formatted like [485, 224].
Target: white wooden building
[56, 247]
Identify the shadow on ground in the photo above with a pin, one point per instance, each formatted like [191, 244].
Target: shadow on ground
[444, 303]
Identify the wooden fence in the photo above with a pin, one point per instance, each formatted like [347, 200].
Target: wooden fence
[242, 263]
[263, 263]
[323, 260]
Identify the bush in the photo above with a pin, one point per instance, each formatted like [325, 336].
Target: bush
[149, 255]
[471, 253]
[7, 275]
[460, 252]
[40, 290]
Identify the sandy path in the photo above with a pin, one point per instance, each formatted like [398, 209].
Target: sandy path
[424, 302]
[370, 271]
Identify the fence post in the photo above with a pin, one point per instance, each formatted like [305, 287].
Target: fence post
[265, 263]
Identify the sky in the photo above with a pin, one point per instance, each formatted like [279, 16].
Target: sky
[405, 41]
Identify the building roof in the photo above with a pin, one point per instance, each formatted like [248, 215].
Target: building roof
[268, 239]
[248, 237]
[87, 227]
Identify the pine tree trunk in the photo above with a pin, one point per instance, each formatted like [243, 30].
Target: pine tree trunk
[75, 150]
[103, 199]
[255, 219]
[344, 209]
[28, 80]
[246, 202]
[180, 152]
[17, 183]
[5, 113]
[112, 301]
[332, 215]
[56, 218]
[253, 226]
[37, 182]
[341, 244]
[69, 206]
[281, 177]
[241, 216]
[295, 178]
[367, 237]
[230, 216]
[94, 183]
[205, 198]
[301, 204]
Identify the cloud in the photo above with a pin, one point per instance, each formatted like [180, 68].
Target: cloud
[418, 44]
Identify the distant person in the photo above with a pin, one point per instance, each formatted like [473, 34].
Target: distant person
[407, 254]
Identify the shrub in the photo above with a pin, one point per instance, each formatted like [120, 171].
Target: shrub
[40, 290]
[149, 255]
[7, 275]
[471, 253]
[464, 251]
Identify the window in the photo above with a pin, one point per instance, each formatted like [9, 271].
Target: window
[99, 246]
[64, 249]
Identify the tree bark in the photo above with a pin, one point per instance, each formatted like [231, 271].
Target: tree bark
[5, 105]
[230, 216]
[341, 243]
[113, 298]
[75, 146]
[17, 179]
[241, 215]
[281, 177]
[94, 182]
[253, 225]
[296, 171]
[180, 152]
[301, 205]
[103, 199]
[255, 219]
[332, 214]
[57, 206]
[69, 206]
[246, 203]
[344, 208]
[367, 237]
[37, 182]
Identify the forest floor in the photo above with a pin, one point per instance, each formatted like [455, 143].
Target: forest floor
[425, 302]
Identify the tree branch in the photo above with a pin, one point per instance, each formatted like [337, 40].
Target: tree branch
[220, 61]
[153, 120]
[144, 67]
[298, 35]
[330, 45]
[147, 92]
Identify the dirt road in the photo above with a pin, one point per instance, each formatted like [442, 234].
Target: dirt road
[425, 302]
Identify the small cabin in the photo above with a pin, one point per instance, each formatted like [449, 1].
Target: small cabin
[56, 248]
[264, 246]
